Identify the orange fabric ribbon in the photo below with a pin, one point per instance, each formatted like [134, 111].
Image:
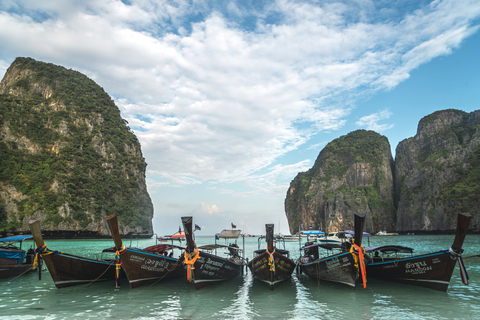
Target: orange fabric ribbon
[190, 259]
[271, 260]
[118, 265]
[357, 252]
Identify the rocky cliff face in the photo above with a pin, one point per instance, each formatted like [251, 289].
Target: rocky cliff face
[435, 175]
[67, 157]
[437, 172]
[352, 174]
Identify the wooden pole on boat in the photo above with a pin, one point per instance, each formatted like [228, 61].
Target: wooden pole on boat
[187, 228]
[269, 236]
[359, 223]
[463, 222]
[112, 221]
[40, 263]
[36, 231]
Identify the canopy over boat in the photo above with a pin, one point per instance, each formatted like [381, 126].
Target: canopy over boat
[216, 246]
[389, 249]
[229, 234]
[163, 247]
[328, 246]
[16, 238]
[179, 236]
[352, 233]
[313, 232]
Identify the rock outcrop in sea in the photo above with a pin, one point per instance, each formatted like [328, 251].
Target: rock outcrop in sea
[438, 172]
[67, 158]
[352, 174]
[435, 175]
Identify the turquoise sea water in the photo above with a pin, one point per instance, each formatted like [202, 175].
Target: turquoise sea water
[27, 297]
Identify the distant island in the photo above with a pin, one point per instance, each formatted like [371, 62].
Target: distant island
[67, 159]
[435, 175]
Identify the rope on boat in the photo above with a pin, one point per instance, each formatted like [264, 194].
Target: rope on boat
[30, 269]
[463, 270]
[190, 259]
[108, 267]
[118, 265]
[271, 260]
[166, 273]
[358, 253]
[44, 251]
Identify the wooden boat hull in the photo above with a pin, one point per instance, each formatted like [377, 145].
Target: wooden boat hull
[7, 271]
[210, 269]
[143, 267]
[339, 268]
[432, 270]
[261, 270]
[70, 270]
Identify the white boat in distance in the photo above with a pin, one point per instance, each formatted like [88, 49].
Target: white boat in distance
[307, 235]
[341, 237]
[336, 237]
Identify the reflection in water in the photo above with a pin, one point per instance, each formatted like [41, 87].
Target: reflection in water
[241, 307]
[306, 308]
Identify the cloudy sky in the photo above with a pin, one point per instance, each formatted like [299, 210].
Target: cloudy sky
[231, 99]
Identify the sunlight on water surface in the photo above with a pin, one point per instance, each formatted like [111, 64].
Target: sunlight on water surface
[301, 297]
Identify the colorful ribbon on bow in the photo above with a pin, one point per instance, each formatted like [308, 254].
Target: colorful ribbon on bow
[190, 259]
[43, 251]
[118, 265]
[271, 260]
[358, 253]
[37, 251]
[461, 265]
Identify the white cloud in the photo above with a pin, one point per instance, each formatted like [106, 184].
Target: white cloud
[370, 122]
[209, 209]
[212, 101]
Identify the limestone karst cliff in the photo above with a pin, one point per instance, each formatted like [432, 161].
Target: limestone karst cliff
[352, 174]
[67, 158]
[437, 172]
[434, 176]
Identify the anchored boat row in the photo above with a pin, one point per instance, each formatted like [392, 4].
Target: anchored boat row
[344, 263]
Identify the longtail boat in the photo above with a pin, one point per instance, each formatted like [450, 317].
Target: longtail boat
[343, 267]
[70, 270]
[144, 266]
[206, 268]
[272, 265]
[13, 260]
[432, 270]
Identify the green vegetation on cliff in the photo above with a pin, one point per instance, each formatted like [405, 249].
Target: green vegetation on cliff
[319, 193]
[465, 189]
[84, 163]
[358, 146]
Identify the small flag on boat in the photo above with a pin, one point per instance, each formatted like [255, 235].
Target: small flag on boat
[233, 226]
[197, 227]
